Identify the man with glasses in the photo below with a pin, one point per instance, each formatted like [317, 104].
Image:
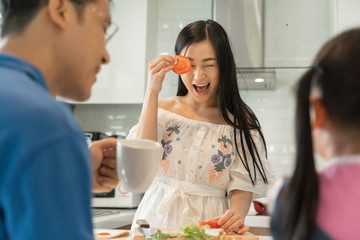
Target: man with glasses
[47, 174]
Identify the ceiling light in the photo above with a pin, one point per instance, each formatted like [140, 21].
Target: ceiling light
[259, 80]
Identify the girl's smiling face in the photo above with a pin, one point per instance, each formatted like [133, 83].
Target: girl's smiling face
[202, 80]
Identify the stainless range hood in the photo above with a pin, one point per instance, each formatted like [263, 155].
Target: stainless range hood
[243, 20]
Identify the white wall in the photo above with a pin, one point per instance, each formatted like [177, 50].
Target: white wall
[348, 14]
[276, 113]
[295, 30]
[275, 109]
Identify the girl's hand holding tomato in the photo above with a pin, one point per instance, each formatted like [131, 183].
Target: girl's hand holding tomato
[231, 221]
[163, 64]
[157, 70]
[212, 224]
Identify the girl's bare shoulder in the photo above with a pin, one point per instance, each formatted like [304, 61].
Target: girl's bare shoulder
[168, 103]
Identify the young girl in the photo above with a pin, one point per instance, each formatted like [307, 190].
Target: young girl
[325, 205]
[213, 143]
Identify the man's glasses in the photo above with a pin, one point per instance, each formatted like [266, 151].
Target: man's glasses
[111, 30]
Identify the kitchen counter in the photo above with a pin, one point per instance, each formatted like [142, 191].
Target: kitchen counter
[258, 221]
[259, 224]
[115, 221]
[130, 237]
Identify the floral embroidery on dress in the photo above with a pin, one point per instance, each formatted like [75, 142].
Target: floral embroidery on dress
[170, 133]
[222, 160]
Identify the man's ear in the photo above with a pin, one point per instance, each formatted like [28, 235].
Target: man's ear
[57, 11]
[318, 113]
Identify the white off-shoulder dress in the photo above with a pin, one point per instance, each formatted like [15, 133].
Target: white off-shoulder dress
[198, 167]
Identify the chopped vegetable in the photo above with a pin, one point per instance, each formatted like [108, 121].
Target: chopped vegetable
[194, 232]
[260, 207]
[212, 224]
[188, 232]
[182, 64]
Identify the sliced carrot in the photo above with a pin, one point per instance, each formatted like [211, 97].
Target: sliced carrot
[212, 224]
[103, 233]
[182, 64]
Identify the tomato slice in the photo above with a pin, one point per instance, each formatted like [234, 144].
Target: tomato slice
[260, 207]
[212, 224]
[182, 64]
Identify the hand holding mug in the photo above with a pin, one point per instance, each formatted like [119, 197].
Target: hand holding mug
[137, 162]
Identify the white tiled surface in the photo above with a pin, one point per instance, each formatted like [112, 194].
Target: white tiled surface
[275, 110]
[108, 118]
[276, 113]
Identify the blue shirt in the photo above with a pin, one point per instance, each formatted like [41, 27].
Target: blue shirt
[45, 168]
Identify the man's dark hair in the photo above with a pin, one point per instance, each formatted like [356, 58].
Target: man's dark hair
[17, 14]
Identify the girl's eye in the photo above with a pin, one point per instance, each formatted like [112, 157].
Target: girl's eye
[209, 65]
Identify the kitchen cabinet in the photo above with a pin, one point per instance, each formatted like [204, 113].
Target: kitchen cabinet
[295, 30]
[347, 15]
[123, 79]
[0, 23]
[275, 33]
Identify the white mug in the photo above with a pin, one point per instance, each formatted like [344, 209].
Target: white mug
[137, 162]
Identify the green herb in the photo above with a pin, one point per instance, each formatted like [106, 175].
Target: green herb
[189, 232]
[194, 232]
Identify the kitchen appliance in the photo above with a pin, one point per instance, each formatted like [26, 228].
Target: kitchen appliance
[117, 198]
[243, 21]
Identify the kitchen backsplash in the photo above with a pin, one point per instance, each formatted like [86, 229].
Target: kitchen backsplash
[275, 110]
[108, 118]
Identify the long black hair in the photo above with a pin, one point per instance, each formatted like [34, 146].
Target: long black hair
[229, 99]
[336, 72]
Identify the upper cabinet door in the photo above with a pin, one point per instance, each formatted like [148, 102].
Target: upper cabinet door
[123, 79]
[347, 14]
[295, 30]
[275, 33]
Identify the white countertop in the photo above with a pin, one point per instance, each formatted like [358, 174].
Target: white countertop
[124, 218]
[257, 221]
[130, 237]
